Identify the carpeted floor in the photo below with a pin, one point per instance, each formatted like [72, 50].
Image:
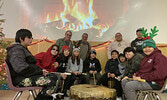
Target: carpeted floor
[9, 94]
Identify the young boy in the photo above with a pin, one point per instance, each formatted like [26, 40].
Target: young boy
[133, 62]
[112, 71]
[152, 68]
[92, 66]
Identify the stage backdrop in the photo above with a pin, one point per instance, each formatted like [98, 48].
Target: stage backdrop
[101, 19]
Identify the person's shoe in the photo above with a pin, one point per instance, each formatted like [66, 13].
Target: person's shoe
[119, 98]
[43, 97]
[65, 95]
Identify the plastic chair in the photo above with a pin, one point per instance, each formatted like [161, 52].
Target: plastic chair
[151, 94]
[19, 89]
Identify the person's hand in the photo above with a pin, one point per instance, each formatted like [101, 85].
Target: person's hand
[91, 72]
[63, 76]
[108, 75]
[74, 72]
[136, 78]
[45, 72]
[56, 64]
[126, 77]
[112, 75]
[119, 78]
[79, 73]
[95, 72]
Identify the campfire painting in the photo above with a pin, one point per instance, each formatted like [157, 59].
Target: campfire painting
[72, 19]
[51, 18]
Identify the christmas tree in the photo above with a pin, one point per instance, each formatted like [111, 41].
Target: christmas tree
[3, 45]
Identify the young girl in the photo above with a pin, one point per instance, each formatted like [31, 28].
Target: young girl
[92, 66]
[112, 71]
[75, 67]
[47, 60]
[63, 59]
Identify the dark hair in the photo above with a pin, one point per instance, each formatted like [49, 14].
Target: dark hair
[129, 49]
[140, 29]
[115, 51]
[56, 46]
[68, 31]
[73, 58]
[63, 58]
[22, 33]
[121, 55]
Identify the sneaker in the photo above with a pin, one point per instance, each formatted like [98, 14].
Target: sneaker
[119, 98]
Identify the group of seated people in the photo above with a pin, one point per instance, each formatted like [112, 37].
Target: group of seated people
[47, 68]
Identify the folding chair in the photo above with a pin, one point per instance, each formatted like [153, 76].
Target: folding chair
[19, 89]
[151, 94]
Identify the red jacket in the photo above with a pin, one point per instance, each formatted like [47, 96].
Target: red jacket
[46, 61]
[153, 67]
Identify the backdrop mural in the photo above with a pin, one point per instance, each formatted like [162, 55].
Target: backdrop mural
[101, 19]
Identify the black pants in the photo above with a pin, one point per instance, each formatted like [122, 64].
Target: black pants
[48, 82]
[71, 78]
[117, 84]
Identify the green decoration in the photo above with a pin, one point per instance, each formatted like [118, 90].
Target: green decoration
[154, 31]
[150, 35]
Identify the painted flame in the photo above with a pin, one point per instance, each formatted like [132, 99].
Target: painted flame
[72, 19]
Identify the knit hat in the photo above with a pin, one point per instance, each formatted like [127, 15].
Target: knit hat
[93, 51]
[65, 47]
[149, 43]
[74, 49]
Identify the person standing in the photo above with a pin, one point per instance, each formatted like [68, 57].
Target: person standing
[65, 41]
[137, 43]
[118, 44]
[84, 46]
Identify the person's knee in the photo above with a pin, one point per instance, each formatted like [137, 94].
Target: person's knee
[130, 87]
[123, 82]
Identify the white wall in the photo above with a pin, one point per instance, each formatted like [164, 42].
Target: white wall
[124, 16]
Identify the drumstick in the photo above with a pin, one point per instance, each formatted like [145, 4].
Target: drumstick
[140, 80]
[94, 79]
[69, 73]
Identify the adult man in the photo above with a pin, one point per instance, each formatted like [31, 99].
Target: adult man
[137, 43]
[23, 68]
[65, 41]
[118, 44]
[84, 46]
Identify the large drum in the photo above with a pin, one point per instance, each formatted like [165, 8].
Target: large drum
[92, 92]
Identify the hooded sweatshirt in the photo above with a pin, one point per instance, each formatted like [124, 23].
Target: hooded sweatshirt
[45, 60]
[153, 67]
[91, 64]
[22, 63]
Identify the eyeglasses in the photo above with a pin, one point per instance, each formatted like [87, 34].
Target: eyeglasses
[55, 49]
